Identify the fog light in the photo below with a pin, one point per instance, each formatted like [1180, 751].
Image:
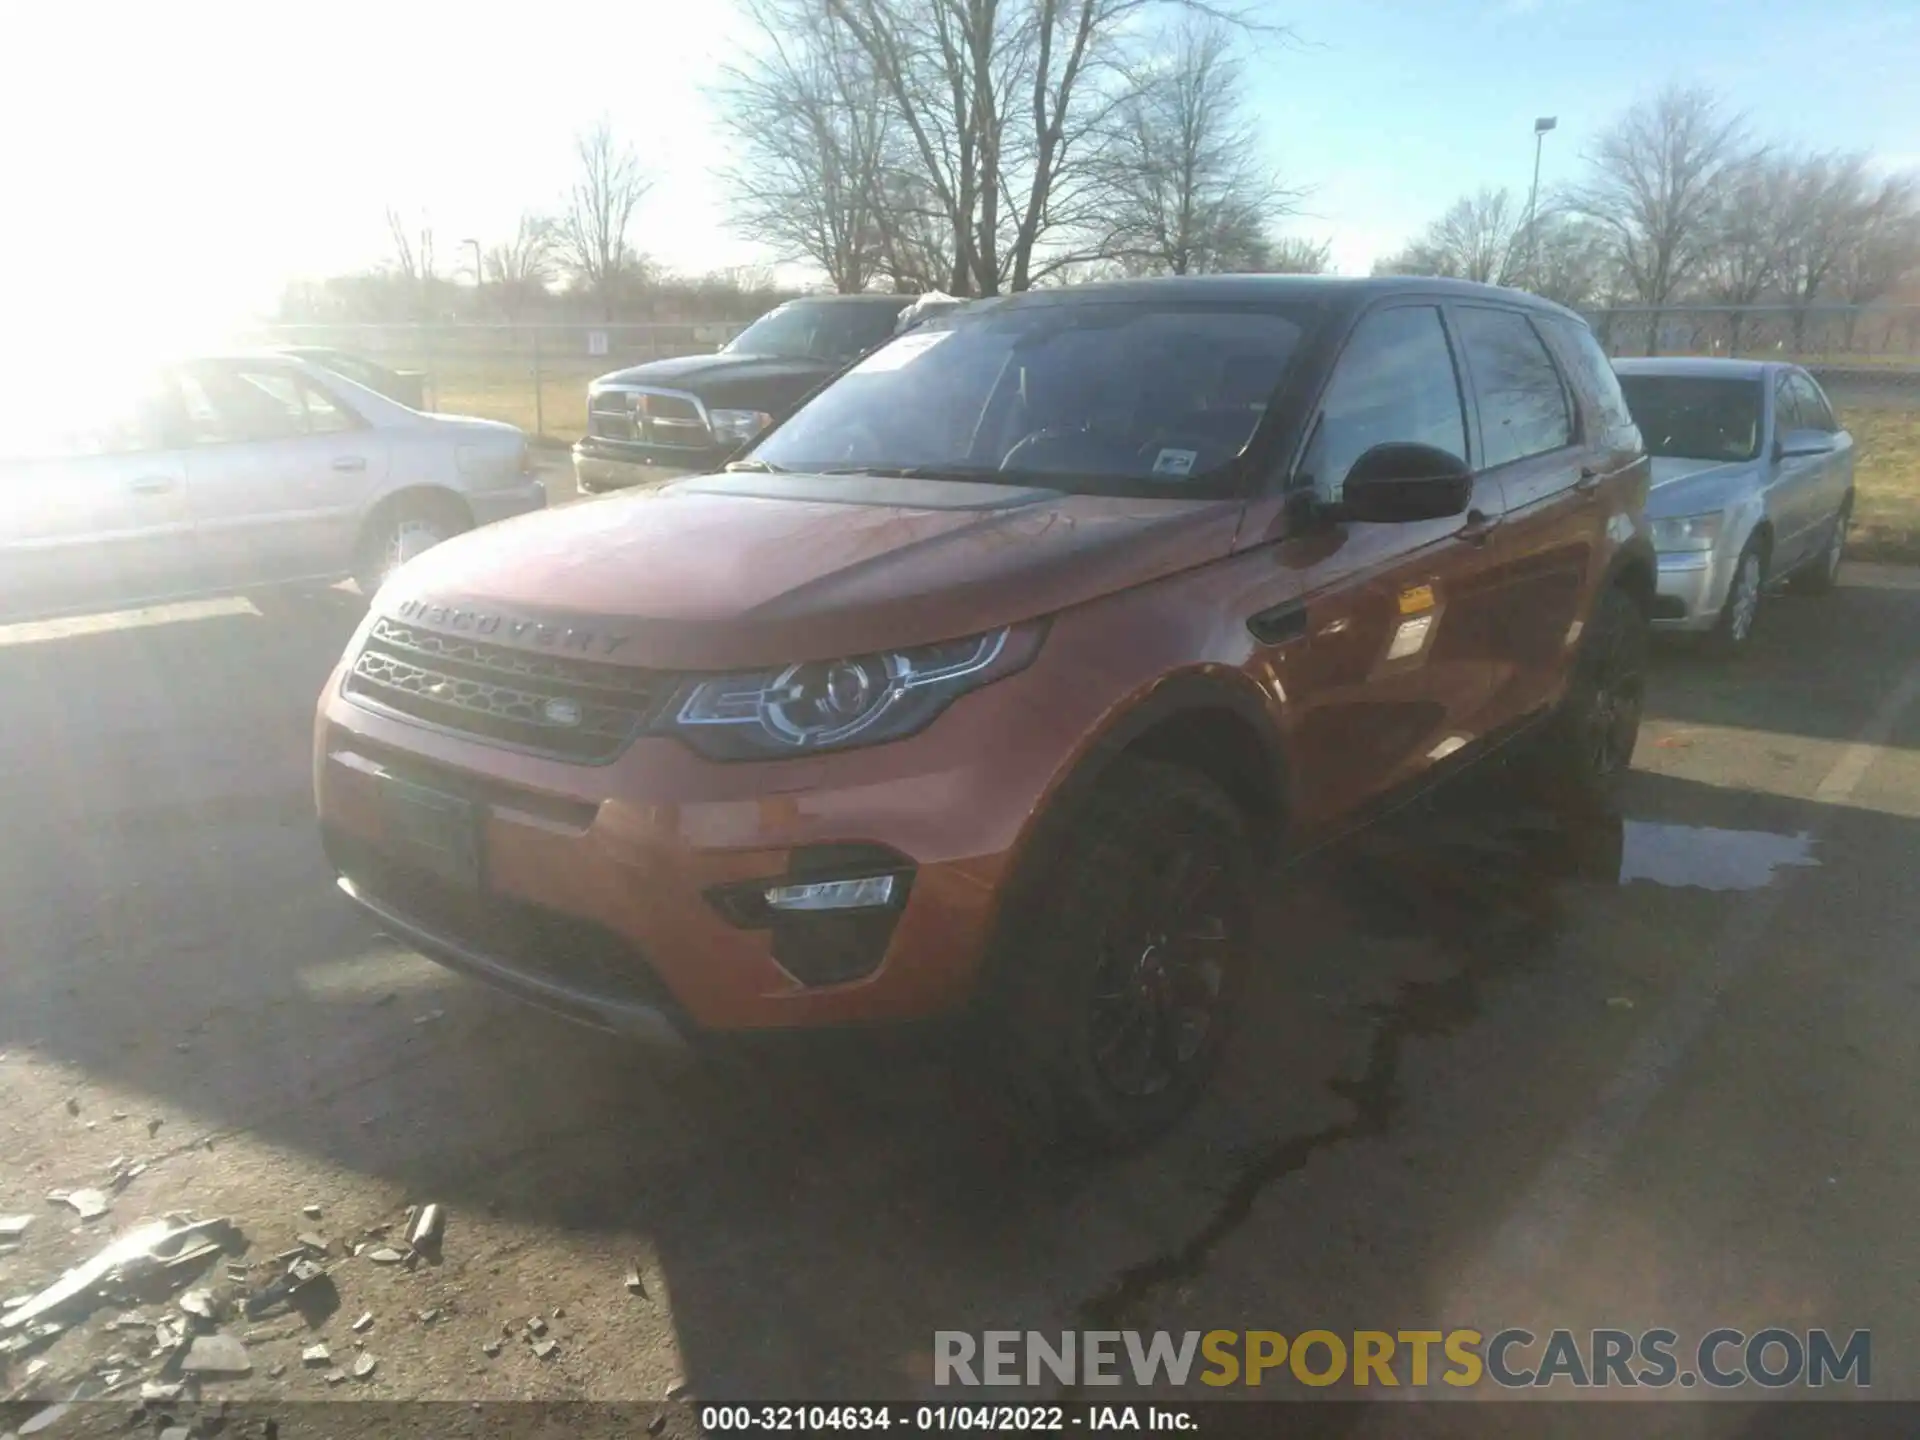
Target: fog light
[864, 894]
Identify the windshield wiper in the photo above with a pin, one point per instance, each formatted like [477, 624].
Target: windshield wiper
[758, 467]
[983, 473]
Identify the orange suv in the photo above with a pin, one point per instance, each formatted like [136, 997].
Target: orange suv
[986, 682]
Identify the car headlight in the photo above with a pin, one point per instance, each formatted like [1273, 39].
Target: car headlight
[1687, 532]
[738, 426]
[835, 704]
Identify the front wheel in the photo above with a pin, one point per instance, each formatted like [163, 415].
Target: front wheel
[1588, 745]
[1821, 576]
[1117, 995]
[1733, 632]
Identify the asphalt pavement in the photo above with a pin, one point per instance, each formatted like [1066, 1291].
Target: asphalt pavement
[1496, 1073]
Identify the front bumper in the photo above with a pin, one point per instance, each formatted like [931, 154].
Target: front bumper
[619, 865]
[601, 465]
[491, 505]
[1692, 589]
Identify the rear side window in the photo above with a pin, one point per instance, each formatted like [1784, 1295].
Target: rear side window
[1394, 382]
[1595, 374]
[1523, 405]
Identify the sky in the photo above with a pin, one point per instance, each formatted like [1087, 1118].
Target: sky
[172, 165]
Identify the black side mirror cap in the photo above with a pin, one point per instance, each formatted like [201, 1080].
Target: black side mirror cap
[1401, 482]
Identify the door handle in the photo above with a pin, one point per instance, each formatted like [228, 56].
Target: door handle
[350, 462]
[1280, 624]
[1589, 480]
[152, 485]
[1478, 529]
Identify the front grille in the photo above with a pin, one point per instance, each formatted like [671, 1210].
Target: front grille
[555, 705]
[579, 954]
[652, 417]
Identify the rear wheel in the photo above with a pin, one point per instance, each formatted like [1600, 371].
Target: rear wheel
[1115, 1003]
[1823, 574]
[1588, 745]
[403, 530]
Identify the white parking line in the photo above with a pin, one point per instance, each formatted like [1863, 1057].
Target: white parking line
[1532, 1233]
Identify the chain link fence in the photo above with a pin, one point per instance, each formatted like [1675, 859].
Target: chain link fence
[536, 375]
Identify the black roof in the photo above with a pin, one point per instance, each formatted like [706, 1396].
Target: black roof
[1272, 289]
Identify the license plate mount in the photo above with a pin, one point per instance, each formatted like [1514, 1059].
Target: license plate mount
[435, 831]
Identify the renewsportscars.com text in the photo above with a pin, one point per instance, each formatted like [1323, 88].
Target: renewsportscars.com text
[1512, 1358]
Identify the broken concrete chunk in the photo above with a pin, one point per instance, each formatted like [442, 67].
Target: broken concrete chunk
[678, 1390]
[635, 1285]
[276, 1370]
[426, 1019]
[12, 1227]
[543, 1349]
[385, 1255]
[312, 1212]
[536, 1326]
[424, 1232]
[159, 1392]
[198, 1303]
[492, 1347]
[336, 1377]
[316, 1355]
[427, 1317]
[316, 1243]
[364, 1366]
[364, 1323]
[137, 1254]
[90, 1204]
[216, 1354]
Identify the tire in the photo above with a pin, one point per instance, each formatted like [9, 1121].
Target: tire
[1732, 633]
[1820, 577]
[1115, 997]
[1587, 747]
[400, 532]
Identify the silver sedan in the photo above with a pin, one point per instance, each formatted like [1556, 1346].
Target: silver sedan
[233, 474]
[1752, 487]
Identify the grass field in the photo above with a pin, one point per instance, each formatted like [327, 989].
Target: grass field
[1886, 517]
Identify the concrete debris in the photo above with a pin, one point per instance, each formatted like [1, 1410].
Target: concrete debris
[559, 1311]
[13, 1300]
[364, 1366]
[312, 1212]
[678, 1390]
[427, 1317]
[656, 1424]
[336, 1377]
[159, 1392]
[492, 1347]
[118, 1115]
[635, 1285]
[276, 1370]
[300, 1273]
[238, 1273]
[12, 1227]
[316, 1355]
[364, 1323]
[385, 1255]
[38, 1422]
[543, 1349]
[216, 1354]
[198, 1303]
[36, 1367]
[90, 1204]
[316, 1243]
[287, 1257]
[424, 1233]
[176, 1432]
[429, 1017]
[536, 1326]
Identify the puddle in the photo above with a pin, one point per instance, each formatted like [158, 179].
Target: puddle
[1705, 858]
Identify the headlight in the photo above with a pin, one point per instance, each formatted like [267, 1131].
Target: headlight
[834, 704]
[738, 426]
[1687, 532]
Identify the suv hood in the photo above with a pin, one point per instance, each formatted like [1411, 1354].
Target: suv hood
[745, 570]
[697, 373]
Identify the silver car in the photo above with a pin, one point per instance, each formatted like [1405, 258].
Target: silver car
[1752, 487]
[233, 474]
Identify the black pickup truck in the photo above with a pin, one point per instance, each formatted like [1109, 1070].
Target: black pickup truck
[688, 414]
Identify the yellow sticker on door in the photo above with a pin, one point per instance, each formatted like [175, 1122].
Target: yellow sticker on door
[1415, 599]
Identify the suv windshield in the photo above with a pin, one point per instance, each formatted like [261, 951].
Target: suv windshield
[1693, 417]
[816, 332]
[1101, 395]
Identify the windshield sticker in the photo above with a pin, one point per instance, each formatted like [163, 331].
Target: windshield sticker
[1175, 462]
[903, 351]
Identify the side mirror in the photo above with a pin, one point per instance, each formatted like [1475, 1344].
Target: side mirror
[1803, 442]
[1396, 483]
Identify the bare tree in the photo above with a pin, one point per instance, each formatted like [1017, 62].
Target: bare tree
[1179, 185]
[1884, 250]
[1658, 179]
[1823, 203]
[1568, 260]
[413, 260]
[593, 231]
[1480, 238]
[1297, 255]
[1743, 263]
[811, 128]
[522, 267]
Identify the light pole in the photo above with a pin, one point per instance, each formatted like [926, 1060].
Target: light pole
[1540, 129]
[477, 277]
